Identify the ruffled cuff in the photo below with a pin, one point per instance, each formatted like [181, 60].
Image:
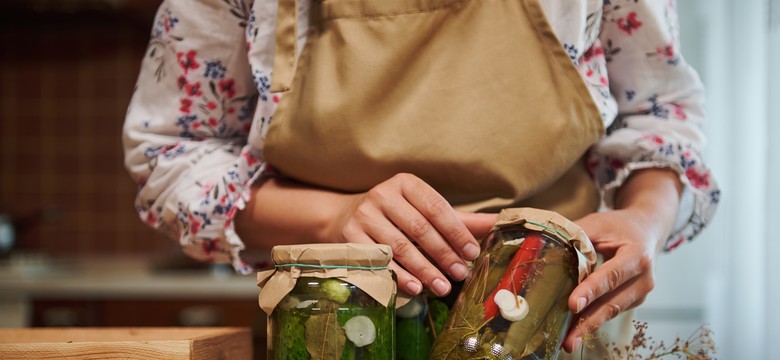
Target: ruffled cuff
[700, 194]
[203, 223]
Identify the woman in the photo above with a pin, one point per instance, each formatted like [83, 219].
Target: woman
[409, 123]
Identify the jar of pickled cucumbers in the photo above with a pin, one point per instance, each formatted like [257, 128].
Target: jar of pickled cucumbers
[514, 304]
[416, 325]
[329, 301]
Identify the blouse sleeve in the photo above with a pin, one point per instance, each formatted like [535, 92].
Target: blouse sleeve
[185, 134]
[660, 110]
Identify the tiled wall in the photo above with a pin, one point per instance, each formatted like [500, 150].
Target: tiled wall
[66, 76]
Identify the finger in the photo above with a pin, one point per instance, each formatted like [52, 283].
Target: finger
[612, 274]
[478, 224]
[442, 216]
[606, 308]
[406, 254]
[406, 281]
[417, 227]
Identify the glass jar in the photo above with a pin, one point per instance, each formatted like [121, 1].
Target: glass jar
[514, 304]
[340, 306]
[417, 324]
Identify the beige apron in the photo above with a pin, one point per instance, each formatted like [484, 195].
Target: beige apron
[476, 97]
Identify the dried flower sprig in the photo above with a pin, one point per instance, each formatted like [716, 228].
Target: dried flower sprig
[698, 346]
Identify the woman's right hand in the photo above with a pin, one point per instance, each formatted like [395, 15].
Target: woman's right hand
[410, 216]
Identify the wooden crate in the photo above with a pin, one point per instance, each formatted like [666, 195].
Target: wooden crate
[126, 343]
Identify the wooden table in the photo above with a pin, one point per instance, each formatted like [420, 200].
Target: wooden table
[126, 343]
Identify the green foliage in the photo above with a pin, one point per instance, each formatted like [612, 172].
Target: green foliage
[466, 323]
[413, 339]
[467, 334]
[317, 331]
[439, 313]
[324, 337]
[383, 347]
[291, 333]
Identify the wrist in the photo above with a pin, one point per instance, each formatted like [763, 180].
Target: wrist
[654, 187]
[332, 217]
[281, 212]
[652, 196]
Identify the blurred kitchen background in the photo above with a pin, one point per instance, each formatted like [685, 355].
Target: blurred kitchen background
[80, 256]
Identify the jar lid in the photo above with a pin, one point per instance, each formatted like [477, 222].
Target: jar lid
[363, 265]
[348, 255]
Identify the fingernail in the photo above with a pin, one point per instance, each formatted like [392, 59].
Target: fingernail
[471, 251]
[580, 305]
[458, 271]
[577, 344]
[440, 287]
[413, 287]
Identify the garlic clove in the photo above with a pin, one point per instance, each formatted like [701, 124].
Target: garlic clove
[289, 302]
[360, 330]
[504, 298]
[411, 309]
[305, 304]
[513, 307]
[516, 242]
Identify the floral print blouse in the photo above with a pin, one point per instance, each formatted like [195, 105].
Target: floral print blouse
[205, 78]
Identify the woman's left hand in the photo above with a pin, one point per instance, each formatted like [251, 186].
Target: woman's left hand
[624, 279]
[628, 239]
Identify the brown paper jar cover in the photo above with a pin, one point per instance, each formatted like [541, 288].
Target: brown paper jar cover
[344, 261]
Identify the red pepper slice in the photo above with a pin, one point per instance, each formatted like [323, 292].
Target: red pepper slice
[517, 271]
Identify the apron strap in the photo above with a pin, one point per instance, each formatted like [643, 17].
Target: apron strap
[286, 42]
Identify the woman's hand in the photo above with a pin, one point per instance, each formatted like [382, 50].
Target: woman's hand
[628, 239]
[624, 279]
[403, 212]
[411, 217]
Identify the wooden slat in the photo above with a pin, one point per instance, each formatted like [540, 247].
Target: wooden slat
[174, 350]
[126, 343]
[223, 346]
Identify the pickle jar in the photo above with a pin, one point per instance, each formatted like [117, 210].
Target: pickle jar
[514, 304]
[329, 301]
[416, 325]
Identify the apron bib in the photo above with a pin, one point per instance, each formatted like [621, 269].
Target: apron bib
[476, 97]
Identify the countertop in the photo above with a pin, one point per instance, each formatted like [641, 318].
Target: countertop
[120, 277]
[127, 343]
[26, 279]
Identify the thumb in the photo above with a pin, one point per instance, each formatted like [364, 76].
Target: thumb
[477, 223]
